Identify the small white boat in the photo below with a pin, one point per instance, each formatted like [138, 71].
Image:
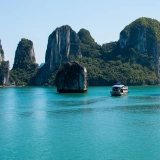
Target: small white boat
[119, 90]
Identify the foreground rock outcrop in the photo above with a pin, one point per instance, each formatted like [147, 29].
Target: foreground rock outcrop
[4, 68]
[72, 78]
[25, 66]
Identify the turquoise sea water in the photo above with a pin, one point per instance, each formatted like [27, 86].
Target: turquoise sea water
[41, 124]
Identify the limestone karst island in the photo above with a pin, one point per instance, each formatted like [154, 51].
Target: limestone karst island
[134, 59]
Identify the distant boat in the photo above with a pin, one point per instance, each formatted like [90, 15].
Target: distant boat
[119, 89]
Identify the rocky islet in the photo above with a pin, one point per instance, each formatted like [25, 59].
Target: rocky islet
[133, 59]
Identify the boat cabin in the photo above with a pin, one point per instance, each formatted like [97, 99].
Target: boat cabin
[119, 89]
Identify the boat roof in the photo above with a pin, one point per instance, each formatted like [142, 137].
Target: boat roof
[118, 85]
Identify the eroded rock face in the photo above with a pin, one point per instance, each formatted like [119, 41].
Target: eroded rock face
[63, 46]
[24, 67]
[60, 47]
[137, 39]
[72, 78]
[1, 53]
[4, 69]
[143, 35]
[4, 73]
[24, 55]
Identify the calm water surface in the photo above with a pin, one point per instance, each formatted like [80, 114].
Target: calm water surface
[41, 124]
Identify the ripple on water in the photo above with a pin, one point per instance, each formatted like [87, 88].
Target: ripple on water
[66, 103]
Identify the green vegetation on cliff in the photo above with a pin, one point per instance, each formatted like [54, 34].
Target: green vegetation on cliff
[129, 65]
[133, 59]
[89, 48]
[107, 73]
[133, 63]
[151, 27]
[24, 67]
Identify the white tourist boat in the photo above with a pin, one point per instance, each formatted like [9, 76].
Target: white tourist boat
[119, 90]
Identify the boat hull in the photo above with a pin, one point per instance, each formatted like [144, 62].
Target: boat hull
[116, 93]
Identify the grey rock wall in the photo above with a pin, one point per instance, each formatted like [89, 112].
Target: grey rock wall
[4, 68]
[72, 78]
[63, 46]
[6, 75]
[142, 37]
[1, 53]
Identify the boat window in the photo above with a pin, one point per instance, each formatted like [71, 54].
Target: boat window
[115, 88]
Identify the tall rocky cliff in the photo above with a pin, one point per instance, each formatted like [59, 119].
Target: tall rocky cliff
[24, 67]
[1, 53]
[63, 46]
[143, 37]
[4, 68]
[134, 59]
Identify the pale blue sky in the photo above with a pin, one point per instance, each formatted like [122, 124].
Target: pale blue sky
[37, 19]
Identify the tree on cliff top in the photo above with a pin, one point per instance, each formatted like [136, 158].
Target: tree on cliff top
[89, 48]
